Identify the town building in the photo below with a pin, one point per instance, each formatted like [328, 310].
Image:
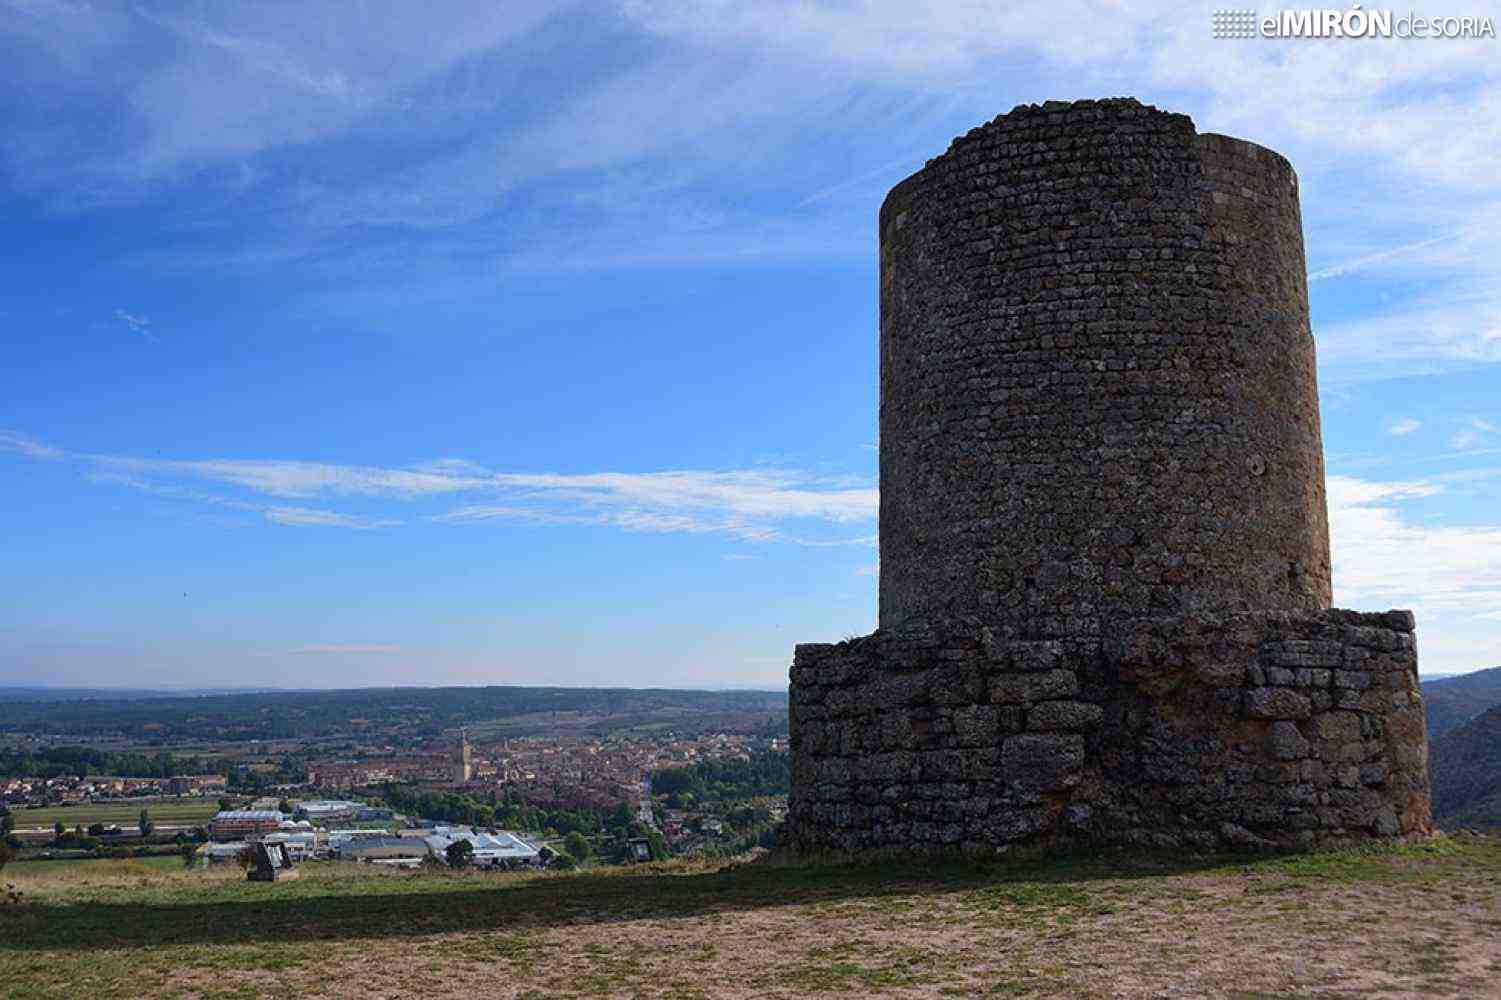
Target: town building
[237, 824]
[196, 784]
[501, 847]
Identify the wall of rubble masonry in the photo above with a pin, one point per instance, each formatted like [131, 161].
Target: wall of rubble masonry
[1288, 729]
[1098, 391]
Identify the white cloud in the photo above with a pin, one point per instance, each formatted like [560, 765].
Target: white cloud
[1475, 432]
[304, 517]
[1449, 574]
[300, 479]
[1430, 334]
[746, 504]
[1403, 427]
[755, 504]
[212, 82]
[348, 649]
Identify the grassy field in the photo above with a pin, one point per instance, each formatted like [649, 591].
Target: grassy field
[186, 812]
[1419, 920]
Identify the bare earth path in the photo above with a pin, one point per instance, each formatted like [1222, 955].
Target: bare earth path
[1415, 921]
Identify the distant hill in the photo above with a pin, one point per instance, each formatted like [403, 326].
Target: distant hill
[390, 712]
[112, 694]
[1465, 767]
[1453, 701]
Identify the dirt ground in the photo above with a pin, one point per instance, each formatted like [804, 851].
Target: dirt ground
[1419, 921]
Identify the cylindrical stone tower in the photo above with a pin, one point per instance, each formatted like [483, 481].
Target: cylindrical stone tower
[1104, 543]
[1098, 393]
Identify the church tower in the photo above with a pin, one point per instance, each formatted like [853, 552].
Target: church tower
[463, 764]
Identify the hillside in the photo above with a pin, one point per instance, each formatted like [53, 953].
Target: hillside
[1453, 701]
[1398, 920]
[425, 712]
[1465, 766]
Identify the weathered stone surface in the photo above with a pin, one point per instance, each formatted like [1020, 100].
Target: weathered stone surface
[1104, 547]
[1065, 297]
[1151, 760]
[1286, 742]
[1277, 703]
[1018, 688]
[1042, 762]
[1064, 715]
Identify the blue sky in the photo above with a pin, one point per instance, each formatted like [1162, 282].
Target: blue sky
[536, 343]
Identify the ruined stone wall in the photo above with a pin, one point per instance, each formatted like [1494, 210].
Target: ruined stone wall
[1294, 729]
[1097, 377]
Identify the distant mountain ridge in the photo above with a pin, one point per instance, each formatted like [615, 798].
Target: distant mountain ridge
[1453, 701]
[118, 694]
[1464, 766]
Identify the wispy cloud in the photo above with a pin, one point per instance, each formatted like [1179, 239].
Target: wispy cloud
[753, 504]
[137, 324]
[343, 650]
[1475, 432]
[1402, 428]
[305, 517]
[24, 444]
[301, 479]
[1380, 257]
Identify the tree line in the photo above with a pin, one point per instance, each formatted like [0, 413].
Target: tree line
[725, 779]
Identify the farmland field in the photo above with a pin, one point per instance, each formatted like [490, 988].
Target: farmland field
[172, 812]
[1394, 921]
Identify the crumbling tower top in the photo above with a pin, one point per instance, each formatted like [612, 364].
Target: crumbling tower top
[1098, 393]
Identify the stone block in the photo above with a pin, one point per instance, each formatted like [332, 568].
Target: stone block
[1277, 703]
[1064, 716]
[1043, 762]
[1357, 680]
[977, 725]
[1343, 727]
[1286, 742]
[1029, 687]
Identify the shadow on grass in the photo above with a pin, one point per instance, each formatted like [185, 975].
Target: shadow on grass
[325, 906]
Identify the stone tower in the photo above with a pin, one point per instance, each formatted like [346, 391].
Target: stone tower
[462, 768]
[1105, 576]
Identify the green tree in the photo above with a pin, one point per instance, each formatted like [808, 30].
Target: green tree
[284, 806]
[5, 854]
[189, 854]
[225, 803]
[59, 828]
[146, 825]
[459, 854]
[577, 845]
[7, 821]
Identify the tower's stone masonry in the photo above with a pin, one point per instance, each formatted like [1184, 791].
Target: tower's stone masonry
[1105, 569]
[1292, 729]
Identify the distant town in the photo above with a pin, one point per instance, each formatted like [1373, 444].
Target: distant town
[627, 781]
